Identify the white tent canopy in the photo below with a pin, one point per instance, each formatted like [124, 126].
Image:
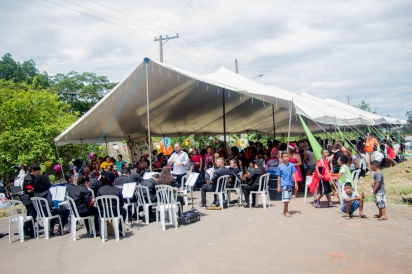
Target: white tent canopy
[184, 103]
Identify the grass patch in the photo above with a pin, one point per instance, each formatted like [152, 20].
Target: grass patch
[398, 183]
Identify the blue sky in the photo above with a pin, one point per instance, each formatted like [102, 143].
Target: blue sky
[361, 49]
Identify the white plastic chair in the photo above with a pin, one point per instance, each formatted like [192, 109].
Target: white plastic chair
[15, 217]
[355, 177]
[141, 201]
[220, 188]
[3, 204]
[166, 202]
[43, 212]
[308, 182]
[105, 205]
[74, 217]
[92, 192]
[237, 188]
[184, 189]
[263, 187]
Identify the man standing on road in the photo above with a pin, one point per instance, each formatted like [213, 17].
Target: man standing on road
[179, 159]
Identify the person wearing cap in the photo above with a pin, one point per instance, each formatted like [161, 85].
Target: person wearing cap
[110, 189]
[295, 159]
[28, 192]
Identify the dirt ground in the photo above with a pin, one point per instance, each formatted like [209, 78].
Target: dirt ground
[235, 240]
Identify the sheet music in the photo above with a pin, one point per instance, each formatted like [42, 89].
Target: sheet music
[58, 193]
[192, 178]
[128, 190]
[148, 175]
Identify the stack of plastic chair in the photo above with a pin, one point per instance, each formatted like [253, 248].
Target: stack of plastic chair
[237, 188]
[166, 203]
[141, 193]
[220, 188]
[74, 217]
[105, 205]
[43, 212]
[15, 217]
[263, 188]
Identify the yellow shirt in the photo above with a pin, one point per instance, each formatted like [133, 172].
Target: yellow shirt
[106, 165]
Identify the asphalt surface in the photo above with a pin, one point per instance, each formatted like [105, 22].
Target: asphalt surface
[234, 240]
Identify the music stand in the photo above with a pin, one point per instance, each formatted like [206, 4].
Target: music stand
[128, 190]
[191, 181]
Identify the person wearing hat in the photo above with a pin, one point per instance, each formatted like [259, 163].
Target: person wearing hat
[295, 159]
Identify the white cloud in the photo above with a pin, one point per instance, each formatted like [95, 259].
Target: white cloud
[361, 49]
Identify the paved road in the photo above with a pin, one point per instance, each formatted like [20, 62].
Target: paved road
[234, 240]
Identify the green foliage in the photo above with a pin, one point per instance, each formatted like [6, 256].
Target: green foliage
[81, 91]
[29, 120]
[22, 73]
[365, 106]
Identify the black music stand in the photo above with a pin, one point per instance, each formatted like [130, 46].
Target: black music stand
[190, 182]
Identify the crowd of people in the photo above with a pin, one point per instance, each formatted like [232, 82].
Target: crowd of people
[287, 164]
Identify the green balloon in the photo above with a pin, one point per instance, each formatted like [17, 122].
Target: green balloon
[60, 161]
[42, 168]
[52, 178]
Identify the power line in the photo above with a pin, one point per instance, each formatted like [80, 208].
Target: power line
[188, 59]
[131, 16]
[110, 16]
[193, 55]
[97, 18]
[157, 27]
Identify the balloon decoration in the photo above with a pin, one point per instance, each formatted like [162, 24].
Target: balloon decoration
[47, 164]
[57, 168]
[52, 178]
[217, 142]
[186, 143]
[91, 154]
[99, 147]
[210, 138]
[194, 143]
[169, 150]
[60, 161]
[242, 143]
[188, 140]
[166, 141]
[42, 168]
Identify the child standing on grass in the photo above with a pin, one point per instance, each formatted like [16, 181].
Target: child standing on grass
[379, 191]
[286, 181]
[352, 201]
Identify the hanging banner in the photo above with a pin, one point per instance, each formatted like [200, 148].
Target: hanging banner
[138, 147]
[317, 149]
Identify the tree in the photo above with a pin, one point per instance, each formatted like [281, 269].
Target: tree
[18, 73]
[81, 91]
[29, 120]
[365, 106]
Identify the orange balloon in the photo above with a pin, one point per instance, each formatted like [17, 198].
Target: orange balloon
[169, 150]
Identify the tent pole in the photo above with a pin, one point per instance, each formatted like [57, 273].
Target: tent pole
[224, 122]
[290, 121]
[58, 157]
[149, 139]
[273, 116]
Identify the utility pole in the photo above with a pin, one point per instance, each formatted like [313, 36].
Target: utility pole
[236, 66]
[160, 39]
[348, 100]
